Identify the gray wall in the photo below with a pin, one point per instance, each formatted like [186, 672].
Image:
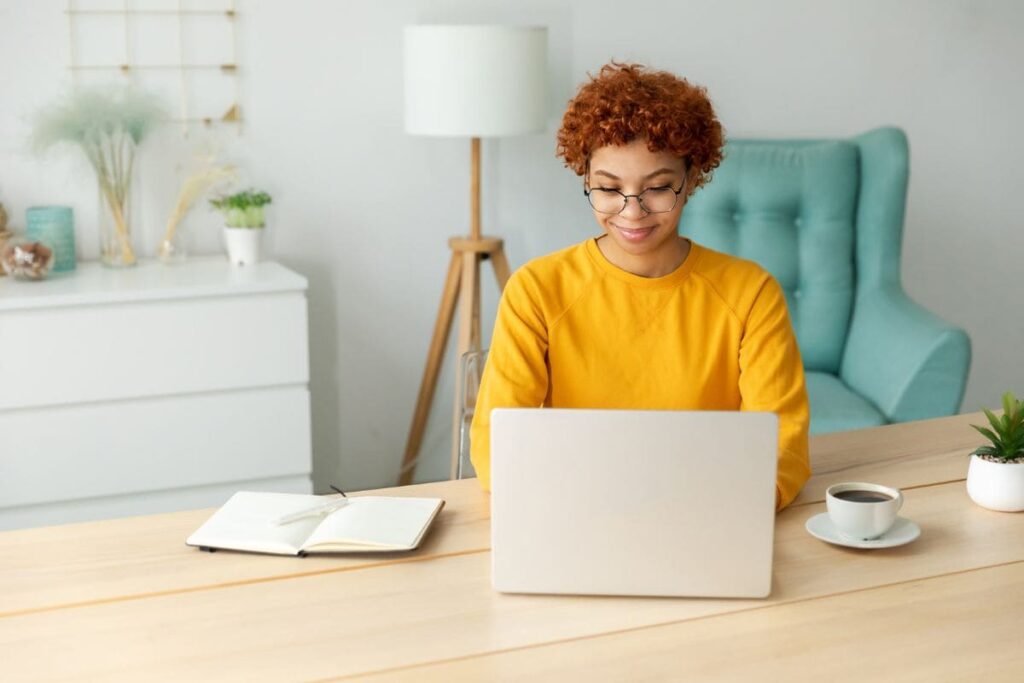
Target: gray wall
[364, 210]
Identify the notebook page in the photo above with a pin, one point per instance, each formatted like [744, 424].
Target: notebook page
[376, 522]
[245, 522]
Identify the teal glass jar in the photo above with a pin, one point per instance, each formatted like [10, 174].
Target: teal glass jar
[55, 226]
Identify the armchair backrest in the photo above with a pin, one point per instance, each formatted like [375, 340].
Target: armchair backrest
[825, 217]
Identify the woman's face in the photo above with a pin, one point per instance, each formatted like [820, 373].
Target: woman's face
[637, 235]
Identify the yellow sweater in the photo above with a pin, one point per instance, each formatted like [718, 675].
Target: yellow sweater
[575, 331]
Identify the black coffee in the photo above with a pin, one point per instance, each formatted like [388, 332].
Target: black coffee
[860, 496]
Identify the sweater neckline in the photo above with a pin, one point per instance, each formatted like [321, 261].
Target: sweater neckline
[669, 280]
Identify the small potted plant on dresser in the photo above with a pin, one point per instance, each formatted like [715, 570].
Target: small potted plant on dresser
[995, 477]
[243, 224]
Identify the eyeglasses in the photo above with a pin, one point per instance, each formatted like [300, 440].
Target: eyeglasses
[651, 200]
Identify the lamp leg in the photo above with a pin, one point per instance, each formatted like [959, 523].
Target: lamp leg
[435, 356]
[462, 289]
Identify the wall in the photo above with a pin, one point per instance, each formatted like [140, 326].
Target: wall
[364, 210]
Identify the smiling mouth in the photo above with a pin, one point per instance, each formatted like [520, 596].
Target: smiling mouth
[634, 233]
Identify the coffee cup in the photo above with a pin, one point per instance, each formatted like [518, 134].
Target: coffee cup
[862, 511]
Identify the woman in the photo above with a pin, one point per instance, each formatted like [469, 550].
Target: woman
[639, 317]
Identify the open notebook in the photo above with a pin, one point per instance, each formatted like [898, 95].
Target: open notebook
[365, 524]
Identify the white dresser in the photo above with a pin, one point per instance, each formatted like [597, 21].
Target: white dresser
[151, 389]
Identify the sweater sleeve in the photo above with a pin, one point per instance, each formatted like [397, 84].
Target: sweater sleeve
[772, 380]
[516, 372]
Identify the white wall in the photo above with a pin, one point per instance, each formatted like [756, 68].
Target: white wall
[364, 210]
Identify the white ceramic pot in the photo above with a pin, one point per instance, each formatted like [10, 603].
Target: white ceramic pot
[995, 485]
[243, 245]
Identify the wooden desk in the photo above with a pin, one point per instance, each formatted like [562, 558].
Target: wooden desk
[127, 599]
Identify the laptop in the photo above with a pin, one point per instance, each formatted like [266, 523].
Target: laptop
[633, 502]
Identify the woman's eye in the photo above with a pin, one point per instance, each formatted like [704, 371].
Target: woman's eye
[649, 189]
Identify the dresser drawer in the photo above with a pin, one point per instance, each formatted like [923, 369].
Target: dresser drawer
[102, 449]
[82, 354]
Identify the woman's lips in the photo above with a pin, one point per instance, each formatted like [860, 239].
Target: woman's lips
[634, 234]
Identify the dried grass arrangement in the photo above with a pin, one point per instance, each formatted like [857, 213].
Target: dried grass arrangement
[107, 124]
[208, 175]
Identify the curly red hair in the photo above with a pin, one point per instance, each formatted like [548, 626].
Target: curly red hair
[627, 101]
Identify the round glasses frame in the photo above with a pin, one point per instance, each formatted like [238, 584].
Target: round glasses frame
[587, 192]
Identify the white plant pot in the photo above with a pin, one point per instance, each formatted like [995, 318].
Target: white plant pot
[996, 486]
[243, 245]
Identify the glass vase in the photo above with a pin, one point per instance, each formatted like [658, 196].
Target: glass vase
[116, 190]
[173, 246]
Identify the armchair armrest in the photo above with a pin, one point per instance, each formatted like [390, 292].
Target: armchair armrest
[907, 361]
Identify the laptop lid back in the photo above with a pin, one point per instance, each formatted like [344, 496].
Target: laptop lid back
[624, 502]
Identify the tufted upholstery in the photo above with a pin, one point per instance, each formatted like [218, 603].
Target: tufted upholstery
[825, 217]
[791, 209]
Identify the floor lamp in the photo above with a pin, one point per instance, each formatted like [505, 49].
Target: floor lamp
[468, 81]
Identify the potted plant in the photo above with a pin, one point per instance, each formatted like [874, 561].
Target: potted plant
[995, 477]
[243, 224]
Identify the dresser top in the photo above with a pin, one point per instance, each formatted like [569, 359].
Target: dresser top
[93, 284]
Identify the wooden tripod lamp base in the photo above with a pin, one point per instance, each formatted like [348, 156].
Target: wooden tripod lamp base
[468, 81]
[461, 288]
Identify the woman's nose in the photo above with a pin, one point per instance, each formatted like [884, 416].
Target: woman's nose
[632, 209]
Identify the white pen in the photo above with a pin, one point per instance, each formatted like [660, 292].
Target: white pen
[311, 512]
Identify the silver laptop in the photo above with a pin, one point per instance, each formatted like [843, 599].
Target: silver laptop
[633, 502]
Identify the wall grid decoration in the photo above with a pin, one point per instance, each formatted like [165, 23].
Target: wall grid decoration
[185, 51]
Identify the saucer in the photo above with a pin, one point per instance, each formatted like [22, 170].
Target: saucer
[903, 531]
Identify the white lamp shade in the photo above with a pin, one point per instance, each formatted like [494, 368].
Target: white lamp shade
[475, 81]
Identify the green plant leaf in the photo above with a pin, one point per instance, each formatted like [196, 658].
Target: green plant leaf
[1016, 411]
[993, 420]
[254, 216]
[988, 434]
[985, 450]
[236, 218]
[1009, 403]
[243, 209]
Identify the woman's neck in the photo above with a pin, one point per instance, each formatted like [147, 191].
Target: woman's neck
[659, 263]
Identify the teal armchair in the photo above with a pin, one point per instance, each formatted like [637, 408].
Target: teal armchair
[825, 217]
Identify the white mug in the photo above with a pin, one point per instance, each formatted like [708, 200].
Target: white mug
[863, 520]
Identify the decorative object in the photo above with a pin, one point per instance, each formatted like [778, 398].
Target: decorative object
[468, 81]
[4, 237]
[54, 225]
[244, 221]
[5, 234]
[207, 176]
[107, 124]
[26, 259]
[995, 477]
[196, 45]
